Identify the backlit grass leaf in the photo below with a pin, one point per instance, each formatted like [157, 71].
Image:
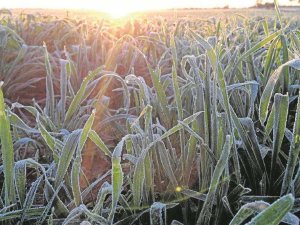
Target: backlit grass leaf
[7, 153]
[268, 91]
[66, 156]
[117, 177]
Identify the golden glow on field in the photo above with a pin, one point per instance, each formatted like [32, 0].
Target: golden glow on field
[120, 8]
[117, 13]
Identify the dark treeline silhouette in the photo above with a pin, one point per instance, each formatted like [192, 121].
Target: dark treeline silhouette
[263, 4]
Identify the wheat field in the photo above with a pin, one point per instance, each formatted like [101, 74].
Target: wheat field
[172, 117]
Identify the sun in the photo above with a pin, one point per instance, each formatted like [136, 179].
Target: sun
[119, 12]
[119, 9]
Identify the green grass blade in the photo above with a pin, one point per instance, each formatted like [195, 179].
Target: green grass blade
[86, 130]
[20, 180]
[251, 208]
[274, 214]
[138, 182]
[16, 121]
[117, 178]
[66, 156]
[281, 106]
[243, 214]
[162, 97]
[266, 95]
[99, 142]
[278, 14]
[7, 153]
[285, 58]
[63, 87]
[269, 61]
[75, 175]
[105, 190]
[258, 46]
[205, 213]
[79, 96]
[50, 141]
[50, 96]
[33, 212]
[293, 153]
[76, 167]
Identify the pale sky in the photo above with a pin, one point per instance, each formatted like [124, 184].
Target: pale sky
[128, 5]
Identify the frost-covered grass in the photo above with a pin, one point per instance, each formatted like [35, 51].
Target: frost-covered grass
[150, 121]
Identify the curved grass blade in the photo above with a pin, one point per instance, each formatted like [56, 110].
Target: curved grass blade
[256, 207]
[274, 214]
[16, 121]
[66, 156]
[99, 142]
[258, 46]
[266, 95]
[205, 213]
[33, 212]
[86, 130]
[105, 190]
[117, 177]
[79, 96]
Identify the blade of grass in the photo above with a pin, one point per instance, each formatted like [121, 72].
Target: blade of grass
[205, 213]
[266, 95]
[274, 214]
[7, 153]
[281, 106]
[293, 153]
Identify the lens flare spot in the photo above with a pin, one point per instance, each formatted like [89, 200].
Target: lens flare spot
[178, 189]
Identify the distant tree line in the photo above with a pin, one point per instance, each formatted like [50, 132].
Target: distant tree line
[262, 3]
